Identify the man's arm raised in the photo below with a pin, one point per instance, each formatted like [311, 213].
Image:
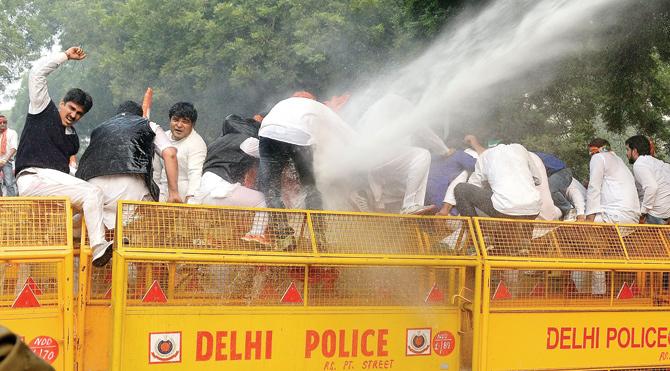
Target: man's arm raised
[37, 80]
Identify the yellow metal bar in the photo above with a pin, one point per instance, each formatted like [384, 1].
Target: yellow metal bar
[68, 309]
[82, 301]
[312, 234]
[284, 259]
[484, 322]
[576, 265]
[477, 336]
[119, 284]
[625, 248]
[172, 272]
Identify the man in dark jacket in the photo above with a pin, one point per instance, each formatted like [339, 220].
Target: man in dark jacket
[119, 160]
[227, 178]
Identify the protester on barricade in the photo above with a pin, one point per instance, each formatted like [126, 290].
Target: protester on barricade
[119, 160]
[548, 211]
[653, 178]
[447, 172]
[512, 177]
[401, 175]
[611, 195]
[576, 194]
[47, 142]
[225, 181]
[191, 152]
[290, 132]
[559, 178]
[8, 144]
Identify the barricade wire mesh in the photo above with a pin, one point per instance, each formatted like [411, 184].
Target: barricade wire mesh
[382, 286]
[578, 288]
[32, 223]
[194, 284]
[399, 235]
[214, 228]
[41, 278]
[100, 283]
[550, 240]
[207, 228]
[211, 284]
[646, 241]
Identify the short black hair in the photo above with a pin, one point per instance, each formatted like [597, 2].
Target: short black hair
[80, 97]
[599, 142]
[184, 110]
[640, 143]
[131, 107]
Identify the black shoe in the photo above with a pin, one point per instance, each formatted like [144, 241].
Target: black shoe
[103, 259]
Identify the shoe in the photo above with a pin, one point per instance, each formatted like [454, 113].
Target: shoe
[257, 238]
[419, 210]
[105, 257]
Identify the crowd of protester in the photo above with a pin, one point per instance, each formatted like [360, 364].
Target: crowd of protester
[132, 158]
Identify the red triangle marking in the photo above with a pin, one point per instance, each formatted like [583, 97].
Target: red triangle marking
[33, 286]
[501, 291]
[108, 294]
[26, 299]
[625, 292]
[435, 295]
[538, 290]
[155, 294]
[292, 295]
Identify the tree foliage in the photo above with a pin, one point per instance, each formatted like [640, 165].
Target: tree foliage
[241, 56]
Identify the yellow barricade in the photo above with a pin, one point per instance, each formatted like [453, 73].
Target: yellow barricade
[36, 275]
[569, 296]
[333, 291]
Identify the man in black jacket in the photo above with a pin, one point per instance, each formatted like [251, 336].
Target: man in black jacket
[47, 142]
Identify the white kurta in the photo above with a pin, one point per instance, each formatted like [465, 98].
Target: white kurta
[611, 193]
[191, 153]
[653, 177]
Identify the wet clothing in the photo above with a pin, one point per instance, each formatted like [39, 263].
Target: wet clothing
[653, 177]
[443, 171]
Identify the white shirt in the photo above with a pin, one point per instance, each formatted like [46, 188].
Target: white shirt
[300, 120]
[653, 178]
[512, 175]
[12, 141]
[191, 153]
[612, 189]
[549, 211]
[576, 194]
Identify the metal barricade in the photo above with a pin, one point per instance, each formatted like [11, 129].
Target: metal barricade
[568, 296]
[36, 275]
[348, 291]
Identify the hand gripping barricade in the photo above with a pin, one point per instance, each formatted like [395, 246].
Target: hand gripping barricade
[349, 291]
[570, 296]
[36, 276]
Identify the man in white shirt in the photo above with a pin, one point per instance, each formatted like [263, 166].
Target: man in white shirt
[8, 144]
[131, 141]
[611, 195]
[191, 152]
[653, 177]
[576, 195]
[47, 142]
[512, 176]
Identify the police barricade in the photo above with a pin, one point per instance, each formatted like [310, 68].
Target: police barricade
[569, 296]
[348, 291]
[93, 315]
[36, 275]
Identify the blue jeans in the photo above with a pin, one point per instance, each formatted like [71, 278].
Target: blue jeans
[8, 179]
[654, 220]
[558, 185]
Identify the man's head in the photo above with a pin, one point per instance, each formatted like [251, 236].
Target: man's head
[130, 107]
[637, 146]
[74, 106]
[598, 145]
[182, 119]
[3, 123]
